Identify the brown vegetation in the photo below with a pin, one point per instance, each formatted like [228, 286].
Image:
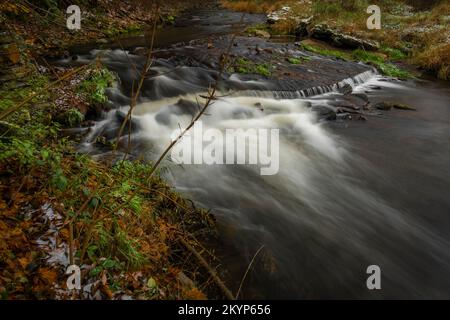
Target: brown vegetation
[420, 32]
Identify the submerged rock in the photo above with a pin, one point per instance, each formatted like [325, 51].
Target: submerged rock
[389, 105]
[401, 106]
[346, 89]
[324, 112]
[361, 96]
[383, 106]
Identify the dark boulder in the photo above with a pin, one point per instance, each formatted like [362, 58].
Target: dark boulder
[345, 89]
[324, 112]
[324, 33]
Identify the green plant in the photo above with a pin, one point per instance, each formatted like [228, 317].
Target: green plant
[394, 54]
[245, 66]
[378, 61]
[72, 117]
[95, 85]
[59, 180]
[170, 19]
[263, 69]
[326, 52]
[294, 60]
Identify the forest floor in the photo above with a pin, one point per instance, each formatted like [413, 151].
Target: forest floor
[132, 236]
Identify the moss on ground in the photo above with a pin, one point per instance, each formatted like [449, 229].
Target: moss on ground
[384, 65]
[246, 66]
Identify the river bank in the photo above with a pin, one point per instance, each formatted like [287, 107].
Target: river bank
[411, 32]
[59, 207]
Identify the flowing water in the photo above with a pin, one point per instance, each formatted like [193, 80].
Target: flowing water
[348, 194]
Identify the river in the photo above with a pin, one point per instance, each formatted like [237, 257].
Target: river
[348, 193]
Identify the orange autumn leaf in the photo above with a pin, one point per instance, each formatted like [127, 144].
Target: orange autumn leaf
[194, 294]
[24, 261]
[13, 54]
[48, 275]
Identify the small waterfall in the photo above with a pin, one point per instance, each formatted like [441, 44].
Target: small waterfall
[309, 92]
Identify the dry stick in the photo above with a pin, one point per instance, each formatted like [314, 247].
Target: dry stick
[136, 94]
[8, 111]
[246, 272]
[212, 272]
[71, 243]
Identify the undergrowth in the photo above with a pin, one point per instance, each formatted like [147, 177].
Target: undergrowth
[123, 227]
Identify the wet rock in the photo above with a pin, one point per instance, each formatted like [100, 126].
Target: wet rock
[343, 116]
[324, 33]
[140, 51]
[259, 106]
[121, 115]
[347, 110]
[346, 89]
[361, 96]
[324, 112]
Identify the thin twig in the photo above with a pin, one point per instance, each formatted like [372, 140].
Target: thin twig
[71, 243]
[247, 271]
